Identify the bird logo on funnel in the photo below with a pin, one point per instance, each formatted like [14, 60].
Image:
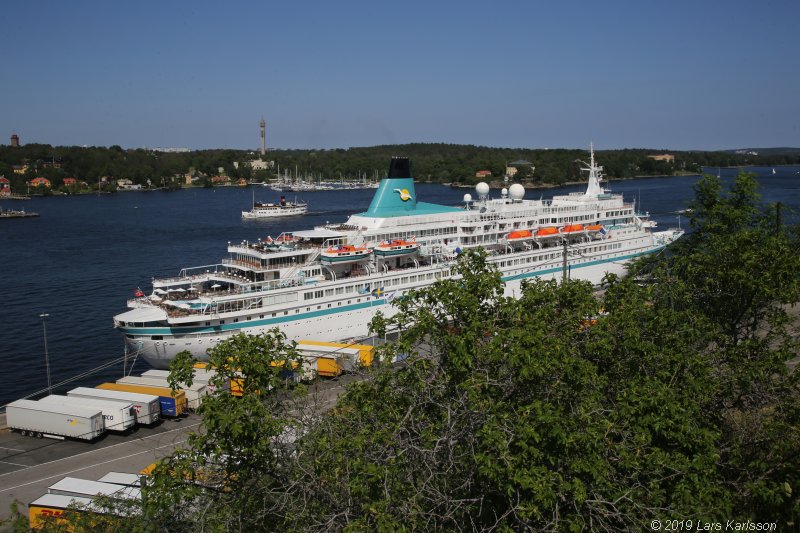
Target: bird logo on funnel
[404, 194]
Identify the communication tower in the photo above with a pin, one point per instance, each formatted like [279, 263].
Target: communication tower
[263, 125]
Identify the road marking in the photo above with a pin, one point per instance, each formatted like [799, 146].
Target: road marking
[12, 449]
[15, 464]
[64, 474]
[142, 439]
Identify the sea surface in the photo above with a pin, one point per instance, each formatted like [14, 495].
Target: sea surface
[84, 257]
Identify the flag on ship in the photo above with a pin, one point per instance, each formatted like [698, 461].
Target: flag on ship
[378, 292]
[137, 292]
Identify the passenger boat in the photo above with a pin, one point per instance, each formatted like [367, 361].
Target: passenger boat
[280, 209]
[396, 247]
[327, 283]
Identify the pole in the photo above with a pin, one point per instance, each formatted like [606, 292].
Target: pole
[564, 273]
[44, 316]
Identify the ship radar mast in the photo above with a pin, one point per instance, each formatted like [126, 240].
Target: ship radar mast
[595, 174]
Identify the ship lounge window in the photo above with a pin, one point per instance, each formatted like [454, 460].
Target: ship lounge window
[308, 296]
[208, 323]
[157, 337]
[236, 320]
[121, 323]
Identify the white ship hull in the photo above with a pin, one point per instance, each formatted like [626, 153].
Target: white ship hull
[352, 321]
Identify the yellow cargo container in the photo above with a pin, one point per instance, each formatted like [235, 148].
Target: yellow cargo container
[332, 358]
[173, 403]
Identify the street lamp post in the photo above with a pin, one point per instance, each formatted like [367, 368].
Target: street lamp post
[44, 316]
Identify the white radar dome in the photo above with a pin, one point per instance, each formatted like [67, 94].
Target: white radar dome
[516, 191]
[467, 197]
[504, 192]
[482, 188]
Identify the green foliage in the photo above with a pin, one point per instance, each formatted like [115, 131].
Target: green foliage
[434, 162]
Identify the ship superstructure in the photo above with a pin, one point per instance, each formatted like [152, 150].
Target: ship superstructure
[327, 283]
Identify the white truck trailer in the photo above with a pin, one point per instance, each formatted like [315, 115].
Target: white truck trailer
[147, 407]
[117, 415]
[38, 419]
[73, 486]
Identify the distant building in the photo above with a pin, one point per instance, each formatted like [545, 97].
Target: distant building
[15, 141]
[5, 186]
[483, 174]
[669, 158]
[220, 180]
[513, 167]
[19, 169]
[53, 163]
[127, 185]
[260, 164]
[70, 182]
[40, 182]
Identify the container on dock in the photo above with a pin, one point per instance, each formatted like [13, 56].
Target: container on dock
[73, 486]
[117, 415]
[57, 421]
[332, 358]
[173, 403]
[52, 507]
[146, 406]
[194, 392]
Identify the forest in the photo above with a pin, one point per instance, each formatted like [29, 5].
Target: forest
[434, 162]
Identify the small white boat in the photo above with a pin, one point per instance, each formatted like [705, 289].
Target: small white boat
[280, 209]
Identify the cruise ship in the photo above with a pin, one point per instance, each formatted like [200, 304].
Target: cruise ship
[327, 283]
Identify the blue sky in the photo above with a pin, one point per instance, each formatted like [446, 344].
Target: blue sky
[677, 75]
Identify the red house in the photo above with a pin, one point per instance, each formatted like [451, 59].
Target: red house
[70, 181]
[40, 182]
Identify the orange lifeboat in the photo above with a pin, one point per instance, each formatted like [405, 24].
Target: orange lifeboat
[396, 247]
[550, 231]
[573, 228]
[594, 228]
[519, 235]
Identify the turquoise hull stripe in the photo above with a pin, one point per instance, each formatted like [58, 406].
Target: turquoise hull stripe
[344, 308]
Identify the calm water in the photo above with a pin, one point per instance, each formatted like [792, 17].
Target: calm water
[85, 255]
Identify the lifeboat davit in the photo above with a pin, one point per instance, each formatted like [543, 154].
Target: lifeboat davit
[519, 235]
[396, 247]
[572, 228]
[345, 254]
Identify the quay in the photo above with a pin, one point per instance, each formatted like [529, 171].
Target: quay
[29, 465]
